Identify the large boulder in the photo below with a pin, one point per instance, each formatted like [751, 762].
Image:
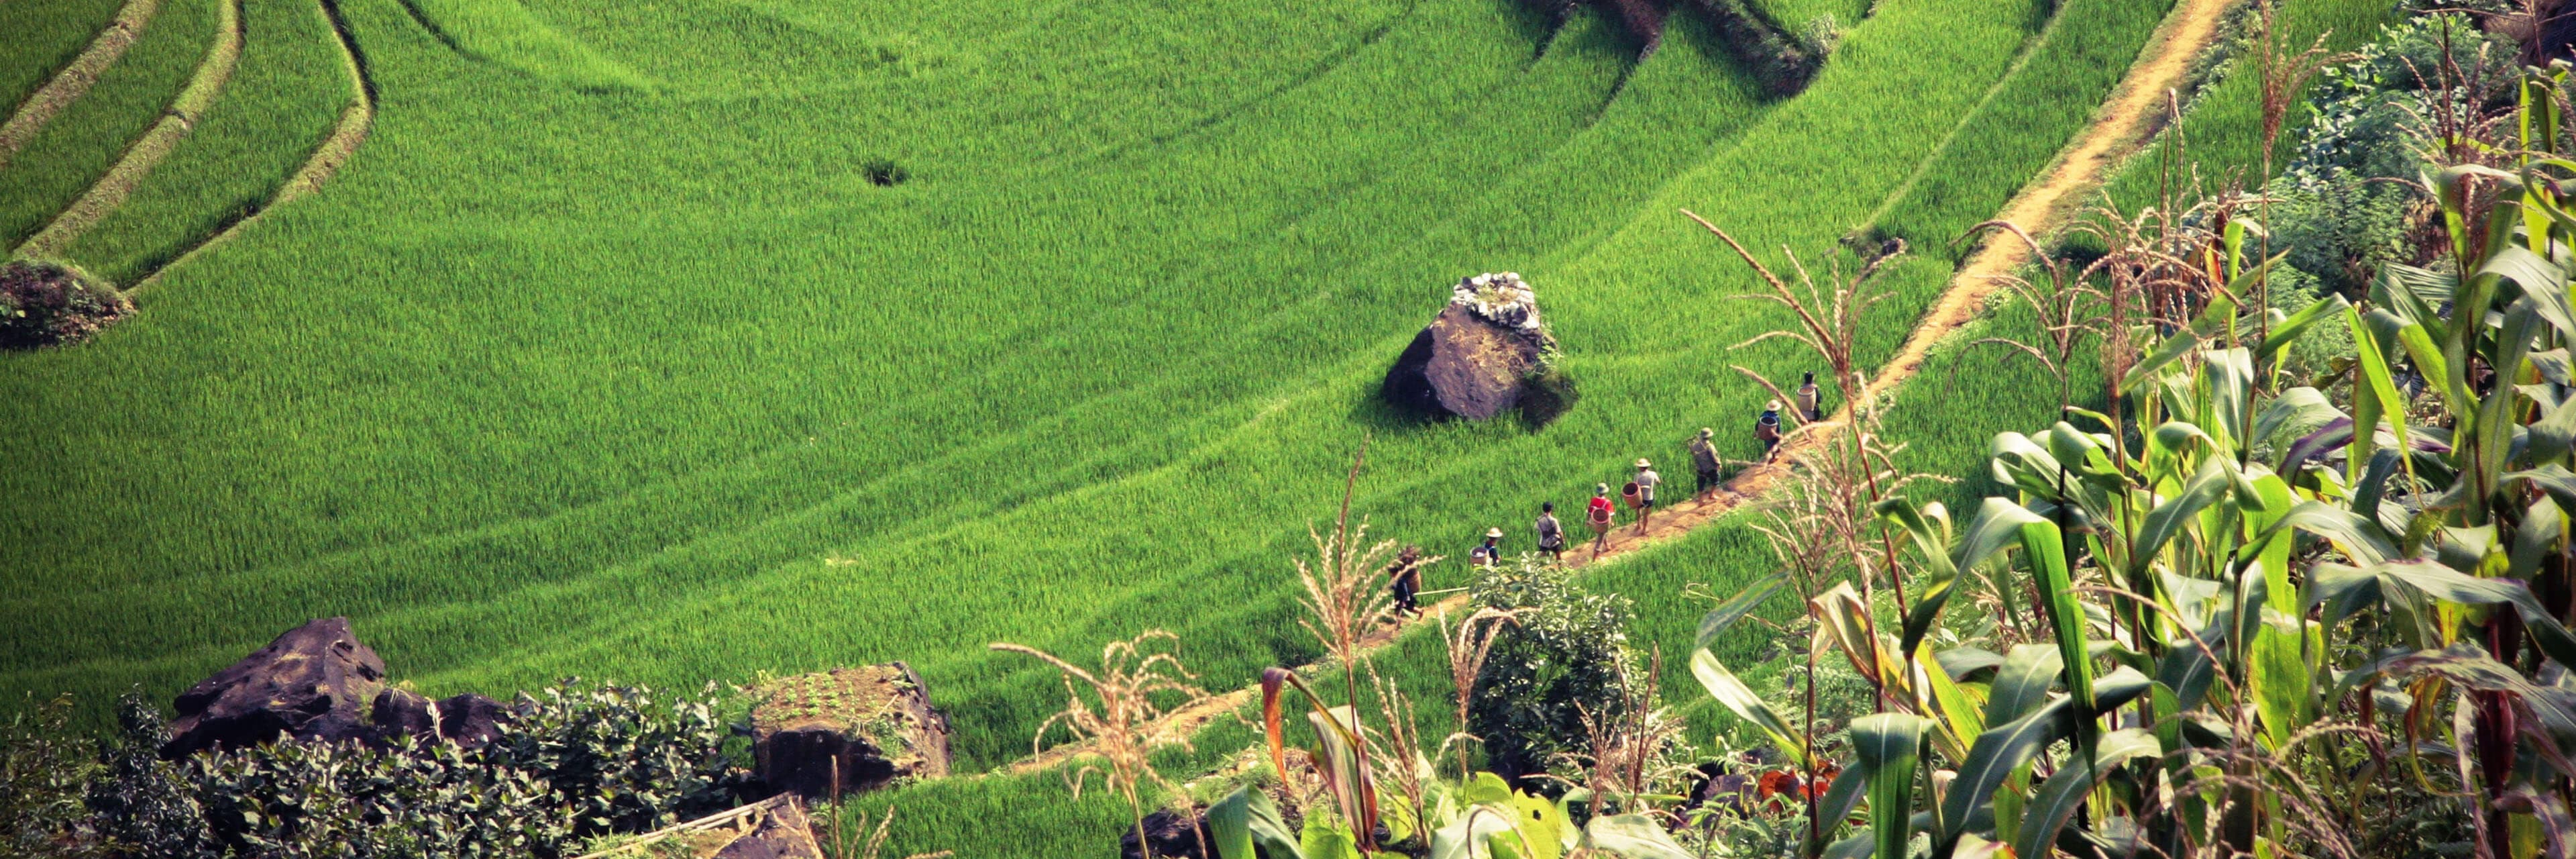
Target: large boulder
[847, 730]
[1478, 358]
[311, 683]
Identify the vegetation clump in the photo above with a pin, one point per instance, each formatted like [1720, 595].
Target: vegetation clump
[1562, 660]
[50, 304]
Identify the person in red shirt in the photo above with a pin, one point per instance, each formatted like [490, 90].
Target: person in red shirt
[1599, 514]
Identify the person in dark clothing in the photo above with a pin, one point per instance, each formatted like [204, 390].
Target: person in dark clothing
[1404, 577]
[1488, 554]
[1703, 452]
[1767, 429]
[1811, 400]
[1551, 535]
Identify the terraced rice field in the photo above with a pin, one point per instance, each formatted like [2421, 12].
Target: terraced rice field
[605, 356]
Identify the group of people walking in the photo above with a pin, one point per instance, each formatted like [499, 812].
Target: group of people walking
[1707, 467]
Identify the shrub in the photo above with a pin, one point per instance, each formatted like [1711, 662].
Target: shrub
[1564, 657]
[49, 304]
[40, 785]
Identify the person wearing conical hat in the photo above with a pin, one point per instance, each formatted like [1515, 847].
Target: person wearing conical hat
[1767, 429]
[1551, 536]
[1404, 577]
[1599, 513]
[1646, 479]
[1704, 464]
[1488, 554]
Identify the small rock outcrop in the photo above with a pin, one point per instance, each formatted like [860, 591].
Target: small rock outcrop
[471, 720]
[48, 304]
[311, 683]
[847, 730]
[1170, 832]
[1481, 357]
[401, 715]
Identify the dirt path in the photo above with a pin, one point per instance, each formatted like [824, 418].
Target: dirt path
[355, 121]
[2133, 114]
[74, 80]
[103, 198]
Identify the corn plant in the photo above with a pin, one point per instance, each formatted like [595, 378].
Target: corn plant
[1124, 728]
[2281, 618]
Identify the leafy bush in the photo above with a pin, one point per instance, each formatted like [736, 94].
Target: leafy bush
[574, 762]
[1564, 656]
[41, 776]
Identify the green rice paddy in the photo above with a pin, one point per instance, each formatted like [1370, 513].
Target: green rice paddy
[605, 356]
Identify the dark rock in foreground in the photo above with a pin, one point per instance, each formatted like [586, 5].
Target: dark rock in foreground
[1170, 833]
[311, 683]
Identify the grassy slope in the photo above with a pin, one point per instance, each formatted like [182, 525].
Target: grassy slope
[2008, 393]
[271, 116]
[84, 139]
[43, 38]
[436, 429]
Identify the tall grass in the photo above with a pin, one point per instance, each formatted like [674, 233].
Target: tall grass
[289, 87]
[43, 38]
[78, 145]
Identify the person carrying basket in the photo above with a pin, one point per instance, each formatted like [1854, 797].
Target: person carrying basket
[1599, 515]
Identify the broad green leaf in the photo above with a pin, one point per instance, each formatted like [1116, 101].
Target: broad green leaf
[2063, 793]
[1467, 837]
[2280, 683]
[1731, 692]
[1322, 840]
[1997, 754]
[2170, 517]
[2045, 548]
[1229, 824]
[1633, 836]
[2021, 685]
[2381, 383]
[1929, 529]
[1889, 744]
[1997, 527]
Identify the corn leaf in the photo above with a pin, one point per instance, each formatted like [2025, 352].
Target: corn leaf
[1633, 836]
[1731, 692]
[1999, 752]
[2045, 548]
[1718, 620]
[1889, 744]
[2063, 793]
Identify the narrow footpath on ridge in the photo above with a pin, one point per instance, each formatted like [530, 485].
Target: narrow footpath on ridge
[2125, 123]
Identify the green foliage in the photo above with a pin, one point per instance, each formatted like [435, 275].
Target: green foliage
[574, 763]
[42, 774]
[1564, 656]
